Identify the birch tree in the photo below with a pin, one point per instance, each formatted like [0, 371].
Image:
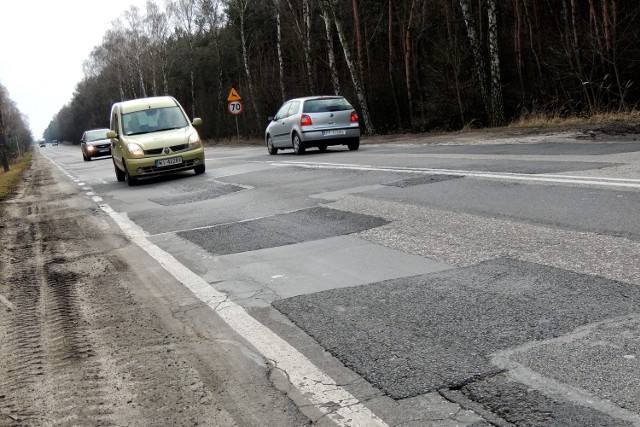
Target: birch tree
[497, 110]
[476, 50]
[362, 100]
[328, 26]
[276, 8]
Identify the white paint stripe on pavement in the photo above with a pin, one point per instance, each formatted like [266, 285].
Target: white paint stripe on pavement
[337, 403]
[559, 179]
[6, 302]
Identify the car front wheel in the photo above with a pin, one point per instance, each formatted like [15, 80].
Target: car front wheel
[119, 174]
[199, 169]
[270, 148]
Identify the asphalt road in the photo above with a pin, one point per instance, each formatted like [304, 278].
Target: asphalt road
[456, 284]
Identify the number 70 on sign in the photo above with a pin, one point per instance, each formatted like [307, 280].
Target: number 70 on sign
[235, 107]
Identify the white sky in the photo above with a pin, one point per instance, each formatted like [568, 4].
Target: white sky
[43, 44]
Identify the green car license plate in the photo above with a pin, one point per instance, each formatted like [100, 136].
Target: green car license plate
[168, 162]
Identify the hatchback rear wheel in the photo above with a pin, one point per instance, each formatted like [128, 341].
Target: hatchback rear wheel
[354, 144]
[298, 146]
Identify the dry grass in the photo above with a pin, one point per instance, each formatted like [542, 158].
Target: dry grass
[541, 120]
[9, 180]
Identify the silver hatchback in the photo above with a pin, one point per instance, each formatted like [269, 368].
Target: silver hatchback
[313, 121]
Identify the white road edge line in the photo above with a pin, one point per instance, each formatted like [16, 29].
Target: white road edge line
[309, 380]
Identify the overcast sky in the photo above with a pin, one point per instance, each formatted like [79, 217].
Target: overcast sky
[43, 44]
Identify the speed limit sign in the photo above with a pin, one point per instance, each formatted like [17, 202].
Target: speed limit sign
[235, 107]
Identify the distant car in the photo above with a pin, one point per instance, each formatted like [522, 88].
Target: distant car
[42, 144]
[54, 142]
[314, 121]
[94, 143]
[153, 136]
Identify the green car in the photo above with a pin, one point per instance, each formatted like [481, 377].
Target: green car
[153, 136]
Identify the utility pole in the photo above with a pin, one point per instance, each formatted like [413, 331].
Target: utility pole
[3, 146]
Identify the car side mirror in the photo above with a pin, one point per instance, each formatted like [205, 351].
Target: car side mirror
[270, 118]
[197, 121]
[112, 135]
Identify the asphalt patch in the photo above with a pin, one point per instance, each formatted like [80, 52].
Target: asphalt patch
[198, 196]
[518, 404]
[421, 180]
[416, 335]
[280, 230]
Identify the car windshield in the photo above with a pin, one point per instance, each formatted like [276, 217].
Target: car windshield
[94, 135]
[153, 120]
[326, 105]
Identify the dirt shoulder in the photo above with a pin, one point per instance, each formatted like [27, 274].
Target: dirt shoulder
[89, 336]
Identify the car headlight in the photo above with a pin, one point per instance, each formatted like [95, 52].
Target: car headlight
[90, 148]
[135, 150]
[194, 140]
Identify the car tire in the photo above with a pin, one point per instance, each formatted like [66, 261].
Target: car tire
[298, 145]
[354, 145]
[322, 148]
[199, 169]
[270, 148]
[84, 156]
[119, 174]
[131, 180]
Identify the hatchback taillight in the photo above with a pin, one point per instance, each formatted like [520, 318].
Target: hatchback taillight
[305, 120]
[354, 117]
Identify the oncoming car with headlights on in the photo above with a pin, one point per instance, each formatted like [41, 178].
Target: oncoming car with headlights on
[94, 143]
[153, 136]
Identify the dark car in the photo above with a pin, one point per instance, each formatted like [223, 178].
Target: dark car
[43, 144]
[94, 143]
[313, 121]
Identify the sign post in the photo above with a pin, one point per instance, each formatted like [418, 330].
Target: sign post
[235, 107]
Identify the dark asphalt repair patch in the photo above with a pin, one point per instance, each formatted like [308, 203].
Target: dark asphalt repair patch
[420, 180]
[280, 230]
[520, 405]
[416, 335]
[198, 196]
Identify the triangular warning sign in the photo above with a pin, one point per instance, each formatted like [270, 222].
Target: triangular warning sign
[233, 95]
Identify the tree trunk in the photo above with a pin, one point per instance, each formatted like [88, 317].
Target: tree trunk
[497, 109]
[3, 146]
[364, 109]
[356, 21]
[472, 34]
[517, 44]
[392, 64]
[407, 51]
[245, 58]
[328, 25]
[454, 58]
[306, 17]
[283, 96]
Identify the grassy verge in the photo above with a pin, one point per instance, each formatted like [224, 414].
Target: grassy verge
[9, 180]
[547, 120]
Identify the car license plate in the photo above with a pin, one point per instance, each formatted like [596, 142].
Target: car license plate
[104, 150]
[334, 132]
[168, 162]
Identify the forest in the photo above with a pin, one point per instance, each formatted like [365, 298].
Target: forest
[405, 65]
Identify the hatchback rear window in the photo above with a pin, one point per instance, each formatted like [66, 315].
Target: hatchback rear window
[326, 105]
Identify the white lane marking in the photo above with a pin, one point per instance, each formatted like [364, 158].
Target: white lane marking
[6, 302]
[553, 178]
[309, 380]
